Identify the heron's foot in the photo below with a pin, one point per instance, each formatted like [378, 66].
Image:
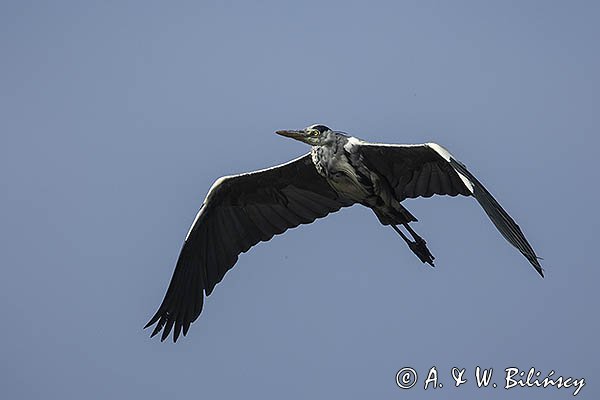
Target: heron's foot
[419, 247]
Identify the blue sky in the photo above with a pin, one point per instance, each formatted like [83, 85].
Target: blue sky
[116, 117]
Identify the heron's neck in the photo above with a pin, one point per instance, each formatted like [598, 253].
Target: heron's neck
[331, 139]
[328, 153]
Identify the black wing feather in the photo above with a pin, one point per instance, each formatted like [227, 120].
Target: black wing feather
[413, 170]
[239, 212]
[505, 224]
[423, 170]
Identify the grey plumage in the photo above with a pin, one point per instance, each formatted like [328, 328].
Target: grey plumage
[242, 210]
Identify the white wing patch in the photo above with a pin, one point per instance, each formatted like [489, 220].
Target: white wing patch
[352, 141]
[446, 155]
[442, 151]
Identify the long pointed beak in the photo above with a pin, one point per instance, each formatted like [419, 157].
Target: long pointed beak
[295, 134]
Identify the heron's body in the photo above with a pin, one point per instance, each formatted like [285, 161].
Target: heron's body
[242, 210]
[333, 160]
[338, 159]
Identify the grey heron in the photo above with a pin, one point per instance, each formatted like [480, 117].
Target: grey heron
[340, 170]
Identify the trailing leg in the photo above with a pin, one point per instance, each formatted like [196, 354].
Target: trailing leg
[419, 246]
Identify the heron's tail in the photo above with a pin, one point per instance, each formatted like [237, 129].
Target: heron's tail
[391, 216]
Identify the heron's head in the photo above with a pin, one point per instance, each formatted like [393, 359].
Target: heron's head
[313, 135]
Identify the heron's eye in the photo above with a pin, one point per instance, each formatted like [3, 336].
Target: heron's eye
[314, 132]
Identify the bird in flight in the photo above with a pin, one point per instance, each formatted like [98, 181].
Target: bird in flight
[340, 170]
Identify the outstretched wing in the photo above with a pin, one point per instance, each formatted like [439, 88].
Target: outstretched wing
[426, 169]
[238, 212]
